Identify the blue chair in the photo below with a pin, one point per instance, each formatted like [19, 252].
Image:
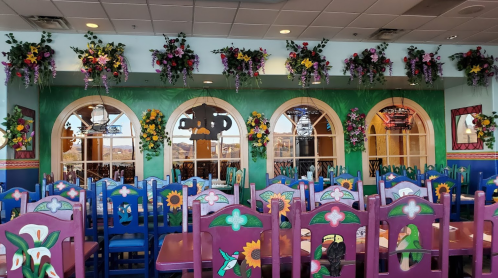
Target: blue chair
[445, 184]
[11, 202]
[433, 174]
[60, 184]
[106, 183]
[280, 179]
[126, 233]
[196, 185]
[348, 181]
[489, 186]
[318, 187]
[412, 173]
[160, 183]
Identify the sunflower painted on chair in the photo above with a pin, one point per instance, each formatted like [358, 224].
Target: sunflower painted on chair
[433, 177]
[442, 188]
[252, 253]
[348, 184]
[283, 204]
[174, 200]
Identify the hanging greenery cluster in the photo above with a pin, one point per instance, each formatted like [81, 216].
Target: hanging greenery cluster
[477, 66]
[17, 130]
[485, 127]
[307, 62]
[153, 135]
[422, 67]
[370, 62]
[258, 128]
[355, 131]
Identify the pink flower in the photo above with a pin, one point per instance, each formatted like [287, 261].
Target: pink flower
[438, 57]
[337, 194]
[375, 57]
[335, 216]
[61, 186]
[211, 198]
[124, 191]
[16, 195]
[315, 266]
[103, 60]
[179, 52]
[426, 57]
[72, 193]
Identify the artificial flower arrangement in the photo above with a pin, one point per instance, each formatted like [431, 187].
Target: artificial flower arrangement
[175, 60]
[259, 131]
[242, 64]
[423, 67]
[153, 133]
[485, 127]
[17, 130]
[355, 131]
[371, 62]
[102, 62]
[477, 66]
[307, 62]
[32, 62]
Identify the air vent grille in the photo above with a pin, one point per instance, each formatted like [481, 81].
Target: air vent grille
[49, 22]
[386, 34]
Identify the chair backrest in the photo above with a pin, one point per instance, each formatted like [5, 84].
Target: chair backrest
[276, 191]
[398, 169]
[125, 207]
[337, 193]
[36, 235]
[176, 175]
[197, 185]
[280, 179]
[57, 185]
[385, 169]
[430, 168]
[236, 230]
[489, 186]
[444, 184]
[388, 183]
[411, 173]
[451, 170]
[70, 176]
[11, 202]
[55, 205]
[240, 177]
[172, 201]
[465, 172]
[333, 227]
[49, 177]
[347, 181]
[404, 188]
[105, 184]
[432, 174]
[230, 180]
[484, 213]
[415, 216]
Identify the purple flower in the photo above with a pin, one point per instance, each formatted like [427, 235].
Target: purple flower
[37, 74]
[485, 65]
[7, 74]
[225, 63]
[438, 57]
[158, 70]
[170, 76]
[303, 78]
[196, 62]
[3, 63]
[372, 50]
[165, 62]
[124, 66]
[52, 65]
[237, 83]
[178, 52]
[154, 57]
[104, 81]
[184, 73]
[87, 76]
[346, 61]
[250, 69]
[46, 54]
[170, 55]
[32, 133]
[26, 77]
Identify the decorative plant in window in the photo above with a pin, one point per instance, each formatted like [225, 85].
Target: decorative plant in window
[371, 63]
[485, 127]
[477, 66]
[259, 130]
[355, 131]
[175, 60]
[102, 62]
[242, 64]
[153, 133]
[423, 67]
[307, 62]
[32, 62]
[17, 130]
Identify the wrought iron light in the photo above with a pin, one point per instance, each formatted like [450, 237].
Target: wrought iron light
[397, 118]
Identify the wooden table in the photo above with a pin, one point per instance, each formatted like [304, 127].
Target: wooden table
[177, 250]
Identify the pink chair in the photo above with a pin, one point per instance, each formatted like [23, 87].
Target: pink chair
[484, 213]
[337, 193]
[404, 188]
[54, 205]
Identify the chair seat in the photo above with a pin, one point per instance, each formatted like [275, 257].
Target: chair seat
[128, 240]
[161, 239]
[205, 274]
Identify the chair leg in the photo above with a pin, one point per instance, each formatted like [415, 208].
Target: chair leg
[130, 256]
[96, 264]
[146, 261]
[106, 263]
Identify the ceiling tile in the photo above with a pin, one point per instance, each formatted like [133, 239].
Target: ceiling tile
[81, 9]
[256, 16]
[173, 2]
[334, 19]
[461, 36]
[214, 29]
[488, 6]
[349, 6]
[251, 30]
[137, 33]
[14, 23]
[361, 33]
[4, 9]
[392, 6]
[79, 0]
[127, 11]
[477, 24]
[491, 14]
[408, 22]
[79, 24]
[172, 27]
[218, 4]
[482, 37]
[221, 15]
[444, 23]
[492, 29]
[372, 20]
[319, 33]
[125, 1]
[421, 35]
[308, 5]
[266, 6]
[296, 18]
[171, 13]
[33, 7]
[135, 26]
[274, 32]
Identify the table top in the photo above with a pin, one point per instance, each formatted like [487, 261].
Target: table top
[177, 250]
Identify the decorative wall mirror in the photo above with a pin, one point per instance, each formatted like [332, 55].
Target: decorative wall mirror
[463, 133]
[3, 140]
[29, 151]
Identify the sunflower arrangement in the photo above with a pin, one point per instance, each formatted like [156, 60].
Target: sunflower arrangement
[32, 62]
[259, 130]
[423, 67]
[153, 133]
[477, 66]
[102, 62]
[242, 64]
[17, 130]
[177, 58]
[355, 131]
[307, 62]
[485, 127]
[371, 62]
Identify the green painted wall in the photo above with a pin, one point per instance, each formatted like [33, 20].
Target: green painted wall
[53, 101]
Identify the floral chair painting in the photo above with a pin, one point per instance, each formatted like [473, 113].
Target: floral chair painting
[197, 185]
[11, 202]
[337, 193]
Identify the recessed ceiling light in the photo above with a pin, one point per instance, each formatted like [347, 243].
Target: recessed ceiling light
[316, 82]
[208, 82]
[452, 37]
[471, 9]
[284, 31]
[92, 25]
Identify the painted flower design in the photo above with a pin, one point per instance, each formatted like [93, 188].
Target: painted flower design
[252, 253]
[17, 260]
[442, 188]
[51, 272]
[37, 232]
[412, 209]
[38, 253]
[16, 195]
[391, 177]
[496, 181]
[211, 198]
[283, 204]
[426, 57]
[335, 216]
[54, 205]
[174, 200]
[124, 191]
[236, 220]
[433, 177]
[315, 266]
[348, 184]
[61, 186]
[72, 193]
[337, 194]
[405, 192]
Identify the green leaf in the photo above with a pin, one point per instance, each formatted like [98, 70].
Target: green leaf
[201, 198]
[288, 195]
[350, 217]
[51, 239]
[221, 221]
[175, 219]
[425, 209]
[17, 241]
[317, 275]
[496, 213]
[252, 221]
[236, 270]
[347, 195]
[319, 218]
[396, 196]
[323, 270]
[266, 196]
[248, 273]
[417, 193]
[222, 199]
[318, 253]
[26, 272]
[285, 225]
[132, 192]
[326, 196]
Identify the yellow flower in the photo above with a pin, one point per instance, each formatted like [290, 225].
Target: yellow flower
[259, 144]
[143, 117]
[159, 119]
[252, 253]
[433, 177]
[29, 139]
[283, 204]
[259, 115]
[254, 113]
[348, 184]
[152, 126]
[148, 138]
[153, 114]
[264, 127]
[116, 64]
[307, 63]
[174, 199]
[252, 131]
[485, 122]
[247, 58]
[160, 114]
[240, 56]
[475, 69]
[20, 127]
[32, 58]
[442, 188]
[252, 124]
[267, 139]
[34, 49]
[145, 135]
[15, 140]
[155, 138]
[151, 145]
[259, 135]
[481, 133]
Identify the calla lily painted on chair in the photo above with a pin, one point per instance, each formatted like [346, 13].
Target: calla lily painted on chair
[17, 260]
[38, 253]
[37, 232]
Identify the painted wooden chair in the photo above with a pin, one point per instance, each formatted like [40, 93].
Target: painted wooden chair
[333, 228]
[280, 179]
[236, 231]
[70, 176]
[432, 174]
[404, 188]
[240, 179]
[176, 175]
[337, 193]
[450, 170]
[105, 184]
[348, 181]
[431, 168]
[126, 233]
[230, 180]
[416, 216]
[411, 173]
[444, 184]
[385, 169]
[465, 177]
[160, 183]
[317, 187]
[489, 186]
[388, 183]
[47, 238]
[398, 169]
[197, 185]
[60, 184]
[11, 202]
[484, 213]
[49, 178]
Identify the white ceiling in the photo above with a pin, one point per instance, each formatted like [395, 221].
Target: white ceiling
[307, 19]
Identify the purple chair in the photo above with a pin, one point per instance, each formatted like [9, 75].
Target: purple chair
[340, 220]
[404, 188]
[489, 186]
[54, 205]
[211, 200]
[484, 213]
[337, 193]
[236, 230]
[38, 235]
[418, 215]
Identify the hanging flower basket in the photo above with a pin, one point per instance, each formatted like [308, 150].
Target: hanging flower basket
[478, 66]
[33, 63]
[242, 64]
[102, 63]
[259, 131]
[309, 63]
[17, 130]
[422, 67]
[485, 127]
[177, 59]
[153, 133]
[355, 131]
[369, 66]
